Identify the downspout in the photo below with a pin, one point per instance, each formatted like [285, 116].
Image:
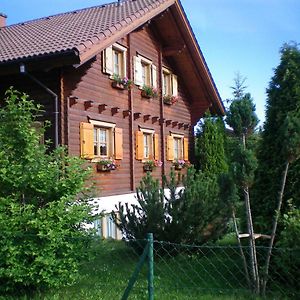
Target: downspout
[49, 91]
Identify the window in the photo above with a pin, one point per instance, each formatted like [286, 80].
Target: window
[98, 227]
[169, 84]
[146, 144]
[114, 60]
[110, 227]
[145, 72]
[101, 139]
[177, 147]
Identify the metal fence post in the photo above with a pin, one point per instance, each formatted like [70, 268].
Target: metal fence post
[150, 267]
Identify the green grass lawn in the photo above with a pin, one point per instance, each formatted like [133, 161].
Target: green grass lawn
[204, 273]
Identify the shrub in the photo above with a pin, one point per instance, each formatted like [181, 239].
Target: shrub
[42, 204]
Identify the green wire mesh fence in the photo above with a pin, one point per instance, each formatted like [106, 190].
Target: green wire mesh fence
[180, 272]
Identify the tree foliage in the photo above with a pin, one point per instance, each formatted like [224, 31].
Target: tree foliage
[42, 204]
[210, 146]
[194, 213]
[278, 139]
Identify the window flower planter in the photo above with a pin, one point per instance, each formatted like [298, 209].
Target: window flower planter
[148, 168]
[117, 85]
[106, 165]
[145, 95]
[170, 100]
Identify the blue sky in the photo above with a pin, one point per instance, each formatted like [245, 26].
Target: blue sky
[234, 35]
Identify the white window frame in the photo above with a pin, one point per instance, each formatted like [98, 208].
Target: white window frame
[111, 229]
[169, 88]
[109, 60]
[148, 71]
[109, 128]
[149, 133]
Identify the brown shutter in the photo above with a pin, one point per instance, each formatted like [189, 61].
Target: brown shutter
[170, 148]
[118, 143]
[139, 143]
[86, 140]
[156, 146]
[186, 149]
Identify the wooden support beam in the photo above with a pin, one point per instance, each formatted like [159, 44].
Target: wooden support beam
[88, 104]
[186, 126]
[126, 113]
[180, 125]
[174, 123]
[73, 100]
[173, 50]
[168, 122]
[136, 115]
[154, 119]
[114, 110]
[102, 107]
[146, 117]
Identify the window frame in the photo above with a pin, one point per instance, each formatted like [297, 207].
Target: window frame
[149, 135]
[180, 139]
[166, 85]
[109, 129]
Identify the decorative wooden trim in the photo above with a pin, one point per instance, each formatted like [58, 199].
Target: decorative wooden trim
[88, 104]
[146, 117]
[180, 125]
[73, 100]
[154, 119]
[174, 123]
[168, 122]
[101, 108]
[114, 110]
[136, 115]
[126, 113]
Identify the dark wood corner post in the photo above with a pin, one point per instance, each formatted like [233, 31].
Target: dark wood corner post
[131, 117]
[162, 124]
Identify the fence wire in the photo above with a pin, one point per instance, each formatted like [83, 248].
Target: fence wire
[180, 272]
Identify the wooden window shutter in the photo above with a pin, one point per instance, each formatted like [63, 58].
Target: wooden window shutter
[186, 149]
[154, 76]
[138, 71]
[174, 85]
[156, 146]
[124, 58]
[108, 60]
[86, 140]
[139, 143]
[118, 143]
[170, 148]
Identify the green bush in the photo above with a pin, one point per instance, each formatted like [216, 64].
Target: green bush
[42, 204]
[196, 213]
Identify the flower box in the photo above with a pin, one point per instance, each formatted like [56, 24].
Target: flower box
[117, 85]
[178, 167]
[148, 168]
[106, 165]
[145, 95]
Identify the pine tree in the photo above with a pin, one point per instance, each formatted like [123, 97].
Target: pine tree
[283, 100]
[210, 146]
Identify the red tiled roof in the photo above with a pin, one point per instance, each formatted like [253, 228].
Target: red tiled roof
[77, 30]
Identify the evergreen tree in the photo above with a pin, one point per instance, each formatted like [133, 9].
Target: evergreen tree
[210, 146]
[242, 119]
[283, 100]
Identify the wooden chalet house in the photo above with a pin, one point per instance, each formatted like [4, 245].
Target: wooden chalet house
[78, 64]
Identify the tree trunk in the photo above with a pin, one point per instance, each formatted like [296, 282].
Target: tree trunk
[240, 247]
[253, 258]
[274, 228]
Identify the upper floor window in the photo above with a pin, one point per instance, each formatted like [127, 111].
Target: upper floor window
[114, 60]
[145, 72]
[101, 139]
[169, 83]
